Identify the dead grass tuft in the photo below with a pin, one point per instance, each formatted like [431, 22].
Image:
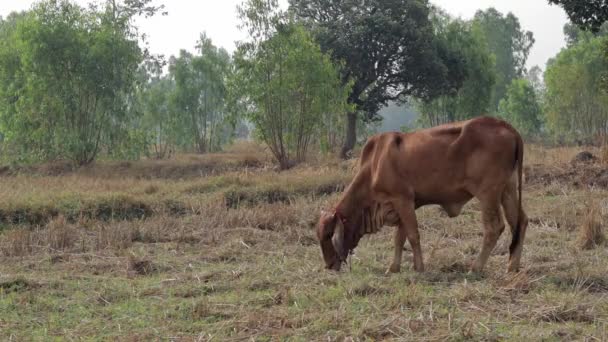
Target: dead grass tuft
[561, 313]
[151, 189]
[284, 190]
[60, 235]
[17, 243]
[590, 232]
[136, 266]
[518, 282]
[114, 235]
[250, 162]
[604, 153]
[204, 310]
[40, 211]
[590, 284]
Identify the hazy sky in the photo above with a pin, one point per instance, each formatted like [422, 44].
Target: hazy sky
[188, 18]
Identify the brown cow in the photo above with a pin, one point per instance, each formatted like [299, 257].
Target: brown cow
[446, 165]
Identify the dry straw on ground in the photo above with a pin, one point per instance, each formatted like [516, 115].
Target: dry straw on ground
[591, 232]
[77, 261]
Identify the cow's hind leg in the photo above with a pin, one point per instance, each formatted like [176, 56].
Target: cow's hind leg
[517, 220]
[493, 226]
[408, 228]
[400, 237]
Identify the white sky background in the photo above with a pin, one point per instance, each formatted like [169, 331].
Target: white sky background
[188, 18]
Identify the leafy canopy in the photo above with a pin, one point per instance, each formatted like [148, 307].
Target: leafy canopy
[388, 47]
[510, 45]
[576, 103]
[288, 85]
[521, 108]
[468, 45]
[66, 78]
[587, 14]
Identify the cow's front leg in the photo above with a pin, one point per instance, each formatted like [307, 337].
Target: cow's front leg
[408, 228]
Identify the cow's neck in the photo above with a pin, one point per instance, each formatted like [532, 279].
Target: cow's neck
[353, 200]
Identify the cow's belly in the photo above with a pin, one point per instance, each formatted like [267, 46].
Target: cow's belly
[451, 199]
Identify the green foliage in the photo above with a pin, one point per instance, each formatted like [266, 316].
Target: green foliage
[521, 108]
[588, 14]
[66, 75]
[187, 108]
[535, 77]
[371, 38]
[199, 96]
[288, 87]
[510, 45]
[468, 46]
[576, 105]
[158, 120]
[389, 50]
[575, 34]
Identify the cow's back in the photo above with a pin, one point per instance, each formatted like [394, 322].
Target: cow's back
[444, 162]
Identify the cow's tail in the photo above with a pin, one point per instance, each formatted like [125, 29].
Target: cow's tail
[519, 163]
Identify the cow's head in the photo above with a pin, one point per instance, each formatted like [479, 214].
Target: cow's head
[338, 237]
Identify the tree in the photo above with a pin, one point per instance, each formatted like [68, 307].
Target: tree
[521, 108]
[575, 34]
[473, 98]
[11, 77]
[535, 77]
[575, 103]
[510, 45]
[67, 85]
[200, 94]
[289, 85]
[159, 119]
[388, 49]
[588, 14]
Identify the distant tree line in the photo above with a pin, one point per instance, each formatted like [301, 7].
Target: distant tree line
[78, 83]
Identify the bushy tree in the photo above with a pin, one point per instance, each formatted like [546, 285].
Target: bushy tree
[521, 107]
[587, 14]
[467, 44]
[199, 96]
[535, 77]
[289, 86]
[159, 118]
[66, 77]
[388, 49]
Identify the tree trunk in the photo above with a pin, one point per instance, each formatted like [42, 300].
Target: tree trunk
[351, 135]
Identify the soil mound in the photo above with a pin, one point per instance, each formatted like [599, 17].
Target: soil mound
[584, 157]
[578, 175]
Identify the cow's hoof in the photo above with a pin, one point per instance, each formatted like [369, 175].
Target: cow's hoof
[393, 269]
[418, 266]
[475, 266]
[475, 269]
[513, 267]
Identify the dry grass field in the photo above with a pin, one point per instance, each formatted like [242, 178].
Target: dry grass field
[222, 247]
